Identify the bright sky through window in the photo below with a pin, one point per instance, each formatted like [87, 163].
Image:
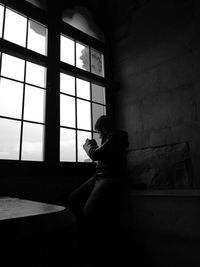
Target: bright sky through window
[81, 102]
[1, 19]
[11, 106]
[23, 92]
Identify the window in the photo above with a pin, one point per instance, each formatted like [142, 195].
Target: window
[22, 104]
[22, 89]
[82, 101]
[35, 106]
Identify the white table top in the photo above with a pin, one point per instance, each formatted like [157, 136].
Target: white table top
[11, 208]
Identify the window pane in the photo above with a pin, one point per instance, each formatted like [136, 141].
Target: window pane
[83, 115]
[83, 89]
[12, 67]
[9, 139]
[67, 50]
[34, 109]
[15, 27]
[1, 20]
[82, 57]
[98, 94]
[67, 84]
[36, 74]
[82, 136]
[67, 111]
[97, 111]
[11, 98]
[97, 63]
[67, 145]
[37, 37]
[32, 142]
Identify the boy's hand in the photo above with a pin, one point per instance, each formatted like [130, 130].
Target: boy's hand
[89, 143]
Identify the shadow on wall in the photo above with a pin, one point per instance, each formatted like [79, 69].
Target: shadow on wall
[167, 166]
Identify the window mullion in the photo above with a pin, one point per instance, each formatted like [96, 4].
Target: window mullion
[52, 137]
[22, 118]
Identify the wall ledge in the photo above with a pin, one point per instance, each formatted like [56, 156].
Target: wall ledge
[165, 192]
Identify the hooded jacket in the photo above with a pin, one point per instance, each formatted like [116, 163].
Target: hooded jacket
[110, 156]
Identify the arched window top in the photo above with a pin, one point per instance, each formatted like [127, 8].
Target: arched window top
[42, 4]
[80, 18]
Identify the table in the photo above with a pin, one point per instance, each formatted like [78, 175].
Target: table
[35, 233]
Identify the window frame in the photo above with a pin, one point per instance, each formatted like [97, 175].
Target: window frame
[54, 66]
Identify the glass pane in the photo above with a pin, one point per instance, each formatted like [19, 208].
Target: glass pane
[37, 37]
[11, 94]
[34, 108]
[32, 141]
[97, 63]
[67, 84]
[9, 139]
[15, 28]
[1, 20]
[83, 89]
[98, 94]
[67, 111]
[83, 115]
[96, 137]
[67, 52]
[97, 111]
[67, 145]
[82, 136]
[82, 57]
[12, 67]
[36, 74]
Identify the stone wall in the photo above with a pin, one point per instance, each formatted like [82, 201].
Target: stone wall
[164, 167]
[156, 70]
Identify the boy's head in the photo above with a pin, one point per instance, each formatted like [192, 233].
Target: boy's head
[104, 125]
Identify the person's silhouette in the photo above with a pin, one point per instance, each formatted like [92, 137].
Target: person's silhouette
[94, 202]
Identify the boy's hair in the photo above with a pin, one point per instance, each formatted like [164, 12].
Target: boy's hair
[104, 123]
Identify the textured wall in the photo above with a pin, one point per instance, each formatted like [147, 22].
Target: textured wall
[156, 59]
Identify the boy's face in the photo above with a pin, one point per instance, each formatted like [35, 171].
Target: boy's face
[102, 134]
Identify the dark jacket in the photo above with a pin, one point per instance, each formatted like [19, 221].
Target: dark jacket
[110, 156]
